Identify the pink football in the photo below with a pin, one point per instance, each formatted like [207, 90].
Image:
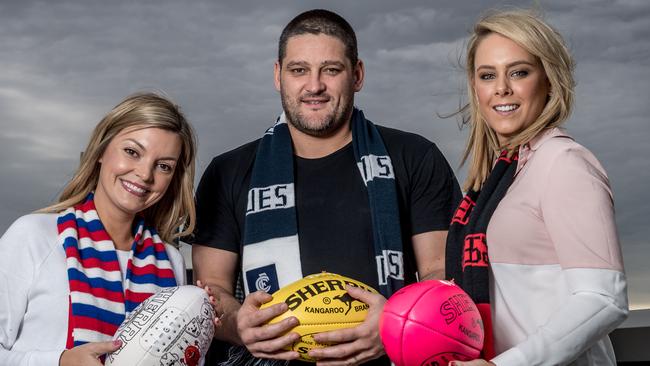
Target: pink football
[172, 327]
[431, 323]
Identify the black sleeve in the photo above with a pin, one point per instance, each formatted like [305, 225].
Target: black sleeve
[434, 192]
[216, 221]
[221, 199]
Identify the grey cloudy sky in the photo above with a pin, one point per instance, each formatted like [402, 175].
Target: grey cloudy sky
[64, 64]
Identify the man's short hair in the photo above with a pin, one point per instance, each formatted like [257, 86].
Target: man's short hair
[320, 21]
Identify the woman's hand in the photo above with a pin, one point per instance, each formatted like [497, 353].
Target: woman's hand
[477, 362]
[88, 354]
[213, 302]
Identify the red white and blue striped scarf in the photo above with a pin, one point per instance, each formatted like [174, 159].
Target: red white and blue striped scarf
[99, 301]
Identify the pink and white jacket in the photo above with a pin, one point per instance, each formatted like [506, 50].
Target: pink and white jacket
[557, 282]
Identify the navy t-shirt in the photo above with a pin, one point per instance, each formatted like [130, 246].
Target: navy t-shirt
[334, 222]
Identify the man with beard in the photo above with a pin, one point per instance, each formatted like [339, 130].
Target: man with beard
[323, 190]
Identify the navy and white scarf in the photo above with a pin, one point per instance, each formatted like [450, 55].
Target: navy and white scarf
[271, 251]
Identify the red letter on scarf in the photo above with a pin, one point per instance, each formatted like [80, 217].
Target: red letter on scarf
[464, 209]
[475, 251]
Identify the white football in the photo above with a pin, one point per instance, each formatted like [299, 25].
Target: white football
[172, 327]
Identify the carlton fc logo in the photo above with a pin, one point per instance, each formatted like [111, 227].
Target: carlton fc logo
[263, 282]
[262, 278]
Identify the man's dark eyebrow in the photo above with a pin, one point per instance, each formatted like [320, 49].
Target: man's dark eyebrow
[332, 62]
[297, 63]
[324, 63]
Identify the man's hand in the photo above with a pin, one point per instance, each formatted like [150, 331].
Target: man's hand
[88, 354]
[266, 340]
[356, 345]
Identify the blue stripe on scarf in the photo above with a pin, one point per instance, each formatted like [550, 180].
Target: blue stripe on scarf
[91, 226]
[162, 255]
[151, 278]
[97, 313]
[67, 217]
[104, 256]
[114, 286]
[129, 306]
[70, 242]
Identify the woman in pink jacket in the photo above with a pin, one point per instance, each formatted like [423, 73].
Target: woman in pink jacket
[534, 241]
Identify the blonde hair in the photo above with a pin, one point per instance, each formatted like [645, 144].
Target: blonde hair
[147, 110]
[531, 33]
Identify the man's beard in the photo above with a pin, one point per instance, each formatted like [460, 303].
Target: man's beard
[326, 126]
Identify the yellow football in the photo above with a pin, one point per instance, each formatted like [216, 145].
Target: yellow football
[321, 304]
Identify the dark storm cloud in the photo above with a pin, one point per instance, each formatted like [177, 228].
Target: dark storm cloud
[66, 63]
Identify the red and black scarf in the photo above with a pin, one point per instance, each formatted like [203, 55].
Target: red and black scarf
[467, 248]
